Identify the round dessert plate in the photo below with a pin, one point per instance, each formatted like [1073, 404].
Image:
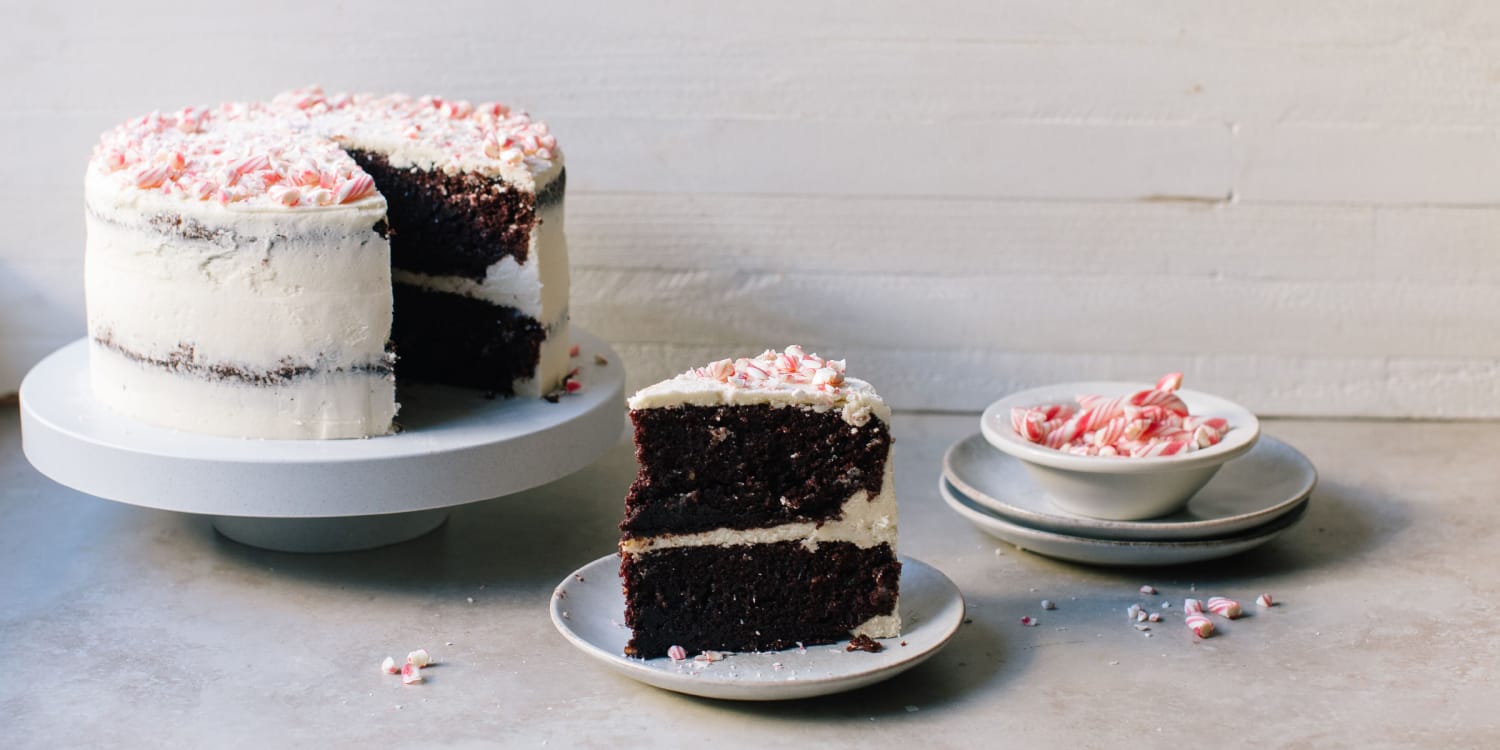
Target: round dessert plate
[1252, 490]
[454, 447]
[1114, 552]
[588, 608]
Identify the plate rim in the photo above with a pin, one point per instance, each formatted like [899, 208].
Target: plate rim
[751, 690]
[1189, 529]
[1264, 531]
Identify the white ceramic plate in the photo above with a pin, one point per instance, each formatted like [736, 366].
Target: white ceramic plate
[1250, 491]
[1112, 552]
[588, 608]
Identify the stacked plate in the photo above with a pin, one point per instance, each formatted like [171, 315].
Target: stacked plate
[1249, 502]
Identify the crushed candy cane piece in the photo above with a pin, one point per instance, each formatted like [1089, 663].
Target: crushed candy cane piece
[573, 351]
[1048, 604]
[709, 656]
[1133, 610]
[1264, 600]
[1146, 424]
[1224, 607]
[1029, 621]
[677, 653]
[600, 360]
[1192, 606]
[1200, 625]
[389, 666]
[419, 658]
[411, 674]
[1154, 617]
[1148, 590]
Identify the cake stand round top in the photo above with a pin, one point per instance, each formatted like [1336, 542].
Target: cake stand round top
[455, 447]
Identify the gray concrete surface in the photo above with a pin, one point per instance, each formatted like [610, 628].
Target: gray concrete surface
[123, 627]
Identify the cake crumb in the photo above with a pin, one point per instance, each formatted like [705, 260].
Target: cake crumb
[864, 642]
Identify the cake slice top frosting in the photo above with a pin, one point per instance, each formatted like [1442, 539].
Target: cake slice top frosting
[289, 153]
[791, 377]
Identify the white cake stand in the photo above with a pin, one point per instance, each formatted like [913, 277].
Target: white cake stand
[455, 447]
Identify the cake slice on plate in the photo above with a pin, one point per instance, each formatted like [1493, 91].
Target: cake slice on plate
[764, 512]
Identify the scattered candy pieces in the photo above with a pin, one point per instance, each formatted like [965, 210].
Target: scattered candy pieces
[1148, 590]
[419, 658]
[1153, 617]
[1133, 611]
[1264, 600]
[1224, 607]
[1047, 604]
[1200, 625]
[677, 653]
[709, 657]
[389, 666]
[1192, 606]
[1029, 621]
[573, 352]
[411, 674]
[1146, 424]
[600, 360]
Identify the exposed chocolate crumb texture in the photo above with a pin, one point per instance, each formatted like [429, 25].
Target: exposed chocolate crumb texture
[764, 511]
[272, 269]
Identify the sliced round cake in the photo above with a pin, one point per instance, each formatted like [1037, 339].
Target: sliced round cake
[269, 269]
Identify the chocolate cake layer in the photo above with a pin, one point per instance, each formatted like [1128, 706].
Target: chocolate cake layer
[457, 340]
[762, 597]
[744, 467]
[450, 225]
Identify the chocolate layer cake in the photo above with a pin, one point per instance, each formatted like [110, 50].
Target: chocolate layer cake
[270, 269]
[764, 513]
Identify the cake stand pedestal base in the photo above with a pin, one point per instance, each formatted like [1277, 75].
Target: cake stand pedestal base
[345, 534]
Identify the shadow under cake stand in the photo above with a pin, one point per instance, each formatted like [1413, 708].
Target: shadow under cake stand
[454, 447]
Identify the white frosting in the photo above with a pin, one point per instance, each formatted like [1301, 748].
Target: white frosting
[856, 401]
[271, 289]
[326, 405]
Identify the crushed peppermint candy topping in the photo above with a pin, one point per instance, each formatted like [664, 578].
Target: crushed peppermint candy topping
[1224, 607]
[790, 368]
[286, 153]
[677, 653]
[1200, 625]
[1264, 600]
[389, 666]
[411, 674]
[1146, 424]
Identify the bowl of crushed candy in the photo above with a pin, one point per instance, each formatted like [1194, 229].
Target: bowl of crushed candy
[1117, 450]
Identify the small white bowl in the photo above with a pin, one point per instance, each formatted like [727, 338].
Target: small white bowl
[1115, 488]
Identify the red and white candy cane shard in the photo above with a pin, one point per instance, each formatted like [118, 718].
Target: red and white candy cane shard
[1192, 606]
[677, 653]
[1028, 621]
[411, 674]
[1264, 600]
[1224, 607]
[419, 658]
[389, 666]
[1200, 625]
[1148, 589]
[1169, 382]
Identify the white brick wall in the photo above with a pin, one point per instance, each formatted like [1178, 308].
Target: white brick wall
[1297, 203]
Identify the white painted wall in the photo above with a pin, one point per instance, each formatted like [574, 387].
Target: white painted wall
[1297, 203]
